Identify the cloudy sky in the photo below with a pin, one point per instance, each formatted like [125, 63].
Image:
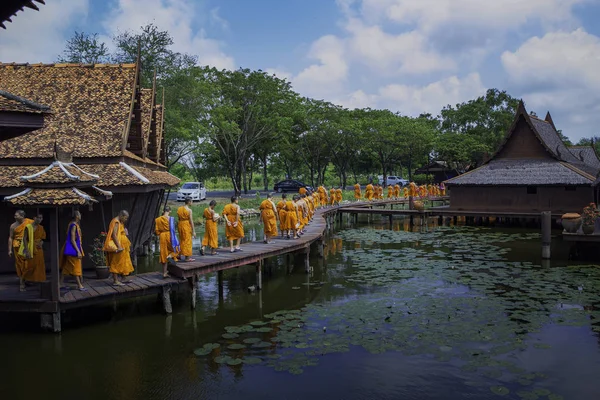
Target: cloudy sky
[410, 56]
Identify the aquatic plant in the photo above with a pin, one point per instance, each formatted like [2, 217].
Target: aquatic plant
[590, 214]
[97, 255]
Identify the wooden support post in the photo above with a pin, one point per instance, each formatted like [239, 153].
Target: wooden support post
[440, 220]
[412, 220]
[546, 234]
[166, 297]
[168, 325]
[220, 283]
[307, 260]
[54, 260]
[320, 249]
[50, 322]
[391, 219]
[454, 219]
[259, 275]
[194, 288]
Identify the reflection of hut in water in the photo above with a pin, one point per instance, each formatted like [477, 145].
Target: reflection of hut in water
[532, 171]
[112, 127]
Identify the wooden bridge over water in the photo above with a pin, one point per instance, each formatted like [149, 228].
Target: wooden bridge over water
[185, 275]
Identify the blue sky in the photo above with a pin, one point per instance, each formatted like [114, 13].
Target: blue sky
[410, 56]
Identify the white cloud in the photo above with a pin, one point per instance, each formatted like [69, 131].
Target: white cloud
[559, 72]
[326, 78]
[176, 17]
[216, 19]
[407, 52]
[413, 100]
[35, 36]
[280, 73]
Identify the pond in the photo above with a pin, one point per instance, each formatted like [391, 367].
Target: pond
[448, 313]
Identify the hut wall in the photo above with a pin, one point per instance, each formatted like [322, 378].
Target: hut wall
[523, 144]
[557, 199]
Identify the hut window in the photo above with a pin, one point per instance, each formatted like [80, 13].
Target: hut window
[531, 190]
[570, 188]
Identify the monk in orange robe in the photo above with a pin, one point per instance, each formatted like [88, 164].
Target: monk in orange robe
[380, 192]
[396, 191]
[311, 207]
[390, 191]
[269, 217]
[332, 196]
[369, 191]
[31, 249]
[211, 233]
[442, 189]
[322, 195]
[291, 209]
[186, 229]
[338, 196]
[302, 191]
[119, 261]
[69, 264]
[234, 230]
[405, 192]
[15, 238]
[283, 227]
[357, 193]
[162, 228]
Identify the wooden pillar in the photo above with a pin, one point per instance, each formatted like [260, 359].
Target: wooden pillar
[391, 219]
[192, 281]
[307, 260]
[546, 234]
[412, 220]
[54, 257]
[166, 297]
[320, 249]
[259, 275]
[50, 322]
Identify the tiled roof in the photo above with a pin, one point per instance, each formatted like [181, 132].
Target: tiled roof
[110, 175]
[58, 173]
[91, 105]
[12, 103]
[54, 197]
[510, 172]
[586, 154]
[552, 140]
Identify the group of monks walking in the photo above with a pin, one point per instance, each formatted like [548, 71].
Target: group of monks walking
[375, 192]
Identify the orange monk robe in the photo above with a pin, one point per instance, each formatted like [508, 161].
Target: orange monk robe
[21, 263]
[315, 198]
[302, 191]
[161, 227]
[36, 266]
[396, 191]
[311, 206]
[283, 226]
[291, 214]
[185, 229]
[231, 213]
[119, 263]
[390, 191]
[338, 195]
[405, 192]
[211, 234]
[332, 196]
[442, 189]
[322, 195]
[72, 265]
[357, 193]
[302, 213]
[369, 191]
[267, 213]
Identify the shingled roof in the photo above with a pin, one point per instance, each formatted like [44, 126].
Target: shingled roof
[587, 155]
[561, 168]
[90, 102]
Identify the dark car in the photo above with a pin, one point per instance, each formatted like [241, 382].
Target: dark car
[290, 185]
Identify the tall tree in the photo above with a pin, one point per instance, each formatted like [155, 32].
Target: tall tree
[84, 48]
[252, 106]
[486, 119]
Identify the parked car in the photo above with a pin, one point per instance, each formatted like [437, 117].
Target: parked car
[290, 185]
[392, 180]
[195, 190]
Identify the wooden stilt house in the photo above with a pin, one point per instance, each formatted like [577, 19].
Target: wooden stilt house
[532, 171]
[111, 127]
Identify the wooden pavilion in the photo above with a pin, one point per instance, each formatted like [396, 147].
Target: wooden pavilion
[532, 171]
[111, 127]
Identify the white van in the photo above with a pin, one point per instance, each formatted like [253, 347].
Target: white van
[392, 180]
[195, 190]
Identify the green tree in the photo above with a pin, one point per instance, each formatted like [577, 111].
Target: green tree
[84, 48]
[252, 106]
[486, 119]
[592, 141]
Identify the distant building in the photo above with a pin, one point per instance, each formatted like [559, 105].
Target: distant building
[439, 170]
[107, 124]
[532, 171]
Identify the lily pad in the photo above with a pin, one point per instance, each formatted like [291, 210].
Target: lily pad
[202, 351]
[251, 360]
[230, 335]
[222, 359]
[263, 329]
[236, 346]
[258, 323]
[234, 361]
[500, 390]
[262, 345]
[251, 340]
